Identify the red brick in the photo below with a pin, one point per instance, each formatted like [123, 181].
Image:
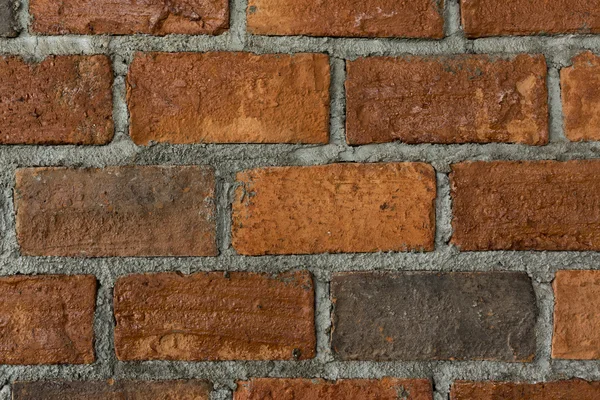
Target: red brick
[559, 390]
[375, 18]
[319, 389]
[580, 84]
[47, 319]
[335, 208]
[529, 17]
[526, 205]
[116, 211]
[215, 316]
[62, 100]
[457, 99]
[229, 98]
[125, 17]
[111, 390]
[576, 319]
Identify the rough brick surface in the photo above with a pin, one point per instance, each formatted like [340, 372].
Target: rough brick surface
[527, 17]
[47, 319]
[433, 316]
[536, 205]
[455, 99]
[215, 316]
[580, 86]
[116, 211]
[229, 98]
[318, 389]
[9, 26]
[559, 390]
[576, 319]
[375, 18]
[62, 100]
[335, 208]
[111, 390]
[156, 17]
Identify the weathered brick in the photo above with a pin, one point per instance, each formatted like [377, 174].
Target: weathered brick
[116, 211]
[559, 390]
[215, 316]
[576, 319]
[580, 86]
[111, 390]
[62, 100]
[433, 316]
[9, 26]
[335, 208]
[125, 17]
[529, 205]
[47, 319]
[319, 389]
[229, 98]
[375, 18]
[529, 17]
[457, 99]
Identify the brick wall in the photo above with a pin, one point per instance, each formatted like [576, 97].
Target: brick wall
[277, 199]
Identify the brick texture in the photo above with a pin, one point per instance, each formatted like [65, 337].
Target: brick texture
[529, 17]
[318, 389]
[111, 390]
[62, 100]
[215, 316]
[576, 319]
[533, 205]
[580, 84]
[375, 18]
[433, 316]
[335, 208]
[229, 98]
[560, 390]
[156, 17]
[9, 26]
[116, 211]
[455, 99]
[47, 319]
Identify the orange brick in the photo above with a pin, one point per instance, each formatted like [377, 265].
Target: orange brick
[559, 390]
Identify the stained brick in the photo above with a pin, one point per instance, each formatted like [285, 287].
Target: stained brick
[559, 390]
[9, 26]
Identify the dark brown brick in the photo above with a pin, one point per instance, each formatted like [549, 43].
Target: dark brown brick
[62, 100]
[559, 390]
[458, 99]
[433, 316]
[47, 319]
[116, 211]
[111, 390]
[9, 26]
[529, 205]
[215, 316]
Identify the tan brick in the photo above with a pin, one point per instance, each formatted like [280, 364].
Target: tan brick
[47, 319]
[62, 100]
[526, 205]
[559, 390]
[375, 18]
[116, 211]
[335, 208]
[229, 98]
[215, 316]
[457, 99]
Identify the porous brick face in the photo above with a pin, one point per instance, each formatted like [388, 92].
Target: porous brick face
[318, 389]
[456, 99]
[560, 390]
[529, 17]
[335, 208]
[116, 211]
[229, 98]
[61, 100]
[375, 18]
[156, 17]
[111, 390]
[433, 316]
[9, 26]
[47, 319]
[529, 205]
[215, 316]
